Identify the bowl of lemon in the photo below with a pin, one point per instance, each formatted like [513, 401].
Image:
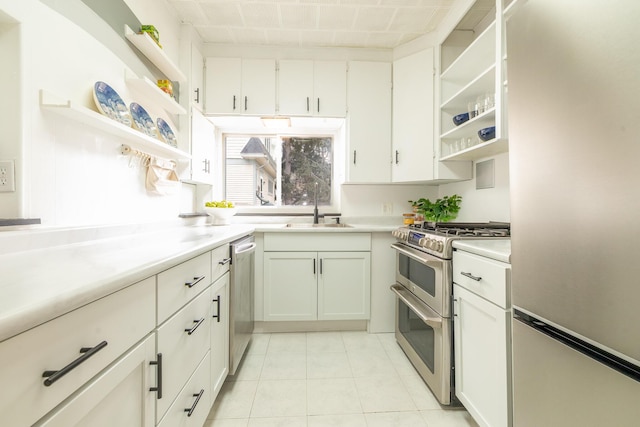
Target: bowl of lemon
[220, 212]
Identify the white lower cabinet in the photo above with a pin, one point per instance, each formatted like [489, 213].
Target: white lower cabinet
[183, 340]
[482, 338]
[119, 396]
[192, 405]
[219, 334]
[43, 366]
[327, 285]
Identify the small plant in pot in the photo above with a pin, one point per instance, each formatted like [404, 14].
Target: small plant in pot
[442, 210]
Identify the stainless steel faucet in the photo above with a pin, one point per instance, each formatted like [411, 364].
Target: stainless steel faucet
[315, 204]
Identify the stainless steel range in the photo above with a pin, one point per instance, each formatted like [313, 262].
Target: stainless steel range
[424, 289]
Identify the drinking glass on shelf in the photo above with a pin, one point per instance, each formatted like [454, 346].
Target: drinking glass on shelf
[480, 102]
[489, 101]
[472, 108]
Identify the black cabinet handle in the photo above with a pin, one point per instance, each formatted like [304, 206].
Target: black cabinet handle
[320, 265]
[396, 157]
[87, 352]
[217, 316]
[307, 104]
[197, 91]
[314, 266]
[224, 261]
[234, 103]
[354, 157]
[318, 105]
[196, 280]
[158, 363]
[471, 276]
[189, 411]
[191, 330]
[245, 103]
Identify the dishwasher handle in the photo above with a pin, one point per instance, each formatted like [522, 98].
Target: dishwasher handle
[243, 249]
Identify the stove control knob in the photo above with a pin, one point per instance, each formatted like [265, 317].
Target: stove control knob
[395, 233]
[433, 244]
[423, 242]
[439, 246]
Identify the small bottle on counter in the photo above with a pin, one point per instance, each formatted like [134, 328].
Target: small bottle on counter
[408, 218]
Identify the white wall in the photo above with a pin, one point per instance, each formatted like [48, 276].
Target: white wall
[367, 200]
[491, 204]
[69, 173]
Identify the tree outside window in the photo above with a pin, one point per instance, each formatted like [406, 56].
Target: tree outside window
[267, 170]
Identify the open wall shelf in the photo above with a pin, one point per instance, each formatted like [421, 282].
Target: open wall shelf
[134, 138]
[155, 54]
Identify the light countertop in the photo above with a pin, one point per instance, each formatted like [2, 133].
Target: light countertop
[45, 274]
[498, 249]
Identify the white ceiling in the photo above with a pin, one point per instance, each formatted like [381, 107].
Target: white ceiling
[312, 23]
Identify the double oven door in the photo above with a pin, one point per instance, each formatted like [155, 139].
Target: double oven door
[423, 321]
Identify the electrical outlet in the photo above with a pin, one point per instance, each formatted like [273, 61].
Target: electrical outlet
[387, 208]
[7, 176]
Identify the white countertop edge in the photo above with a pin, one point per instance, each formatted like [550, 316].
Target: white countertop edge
[497, 249]
[26, 314]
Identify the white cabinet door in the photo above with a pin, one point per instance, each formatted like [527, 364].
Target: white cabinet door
[329, 89]
[219, 334]
[290, 286]
[258, 87]
[413, 115]
[344, 285]
[482, 341]
[119, 396]
[197, 78]
[223, 88]
[295, 87]
[202, 148]
[369, 122]
[312, 88]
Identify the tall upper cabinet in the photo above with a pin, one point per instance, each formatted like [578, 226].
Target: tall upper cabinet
[473, 81]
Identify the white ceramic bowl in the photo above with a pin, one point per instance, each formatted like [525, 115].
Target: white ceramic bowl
[221, 216]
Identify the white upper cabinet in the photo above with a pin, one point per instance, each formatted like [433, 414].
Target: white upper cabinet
[202, 148]
[473, 78]
[369, 122]
[197, 79]
[413, 112]
[240, 86]
[312, 88]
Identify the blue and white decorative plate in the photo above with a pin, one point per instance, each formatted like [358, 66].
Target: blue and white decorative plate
[166, 134]
[143, 121]
[110, 104]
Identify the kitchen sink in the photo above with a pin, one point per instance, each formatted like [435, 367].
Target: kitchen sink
[307, 225]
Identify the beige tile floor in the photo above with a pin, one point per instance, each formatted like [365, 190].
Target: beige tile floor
[318, 379]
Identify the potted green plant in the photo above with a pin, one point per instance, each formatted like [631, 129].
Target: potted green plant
[442, 210]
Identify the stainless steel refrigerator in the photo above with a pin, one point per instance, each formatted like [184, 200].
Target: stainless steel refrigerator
[574, 150]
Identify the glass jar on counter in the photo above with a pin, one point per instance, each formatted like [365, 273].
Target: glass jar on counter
[408, 218]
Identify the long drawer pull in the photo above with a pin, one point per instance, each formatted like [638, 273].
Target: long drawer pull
[217, 315]
[471, 276]
[87, 352]
[224, 261]
[189, 411]
[158, 363]
[196, 280]
[191, 330]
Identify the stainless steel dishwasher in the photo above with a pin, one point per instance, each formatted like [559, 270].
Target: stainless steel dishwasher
[240, 298]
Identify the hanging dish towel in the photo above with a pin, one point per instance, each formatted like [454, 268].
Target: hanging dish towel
[162, 179]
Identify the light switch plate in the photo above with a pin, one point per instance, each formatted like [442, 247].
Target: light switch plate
[7, 176]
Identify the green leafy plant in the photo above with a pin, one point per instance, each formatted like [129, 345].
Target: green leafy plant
[442, 210]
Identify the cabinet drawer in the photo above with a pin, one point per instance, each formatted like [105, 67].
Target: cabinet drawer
[181, 351]
[178, 285]
[485, 277]
[120, 320]
[191, 407]
[220, 259]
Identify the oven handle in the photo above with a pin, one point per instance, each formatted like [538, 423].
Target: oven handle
[423, 311]
[424, 258]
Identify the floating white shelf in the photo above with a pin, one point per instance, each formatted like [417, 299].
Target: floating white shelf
[155, 94]
[485, 149]
[135, 139]
[155, 54]
[484, 83]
